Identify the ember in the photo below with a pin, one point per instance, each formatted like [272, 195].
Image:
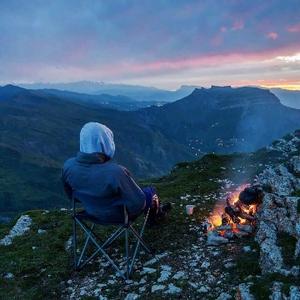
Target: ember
[235, 217]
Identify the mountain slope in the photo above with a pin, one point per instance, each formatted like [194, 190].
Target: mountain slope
[224, 119]
[104, 100]
[287, 97]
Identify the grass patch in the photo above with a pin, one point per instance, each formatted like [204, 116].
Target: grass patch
[288, 245]
[261, 288]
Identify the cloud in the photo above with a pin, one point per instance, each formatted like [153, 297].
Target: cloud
[290, 59]
[238, 25]
[294, 28]
[126, 40]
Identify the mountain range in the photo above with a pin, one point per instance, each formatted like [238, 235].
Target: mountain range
[137, 92]
[40, 129]
[145, 94]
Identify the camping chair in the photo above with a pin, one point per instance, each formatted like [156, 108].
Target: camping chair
[82, 218]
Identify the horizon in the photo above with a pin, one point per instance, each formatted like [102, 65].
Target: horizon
[159, 44]
[289, 88]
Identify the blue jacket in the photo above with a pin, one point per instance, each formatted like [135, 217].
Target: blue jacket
[108, 184]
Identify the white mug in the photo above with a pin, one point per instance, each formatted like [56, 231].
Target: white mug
[189, 209]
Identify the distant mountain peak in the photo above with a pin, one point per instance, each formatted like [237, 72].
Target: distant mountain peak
[10, 90]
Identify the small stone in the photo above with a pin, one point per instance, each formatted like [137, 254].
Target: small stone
[128, 281]
[69, 281]
[166, 267]
[131, 296]
[243, 292]
[229, 265]
[193, 284]
[224, 296]
[8, 276]
[148, 271]
[41, 231]
[213, 239]
[111, 281]
[157, 287]
[172, 289]
[247, 249]
[164, 276]
[179, 275]
[204, 289]
[205, 264]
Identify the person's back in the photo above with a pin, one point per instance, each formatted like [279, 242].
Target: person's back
[104, 186]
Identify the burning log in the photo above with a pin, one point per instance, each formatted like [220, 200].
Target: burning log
[238, 216]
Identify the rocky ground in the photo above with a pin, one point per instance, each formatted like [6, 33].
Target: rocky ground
[36, 260]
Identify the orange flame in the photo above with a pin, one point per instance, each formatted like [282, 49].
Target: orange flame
[216, 216]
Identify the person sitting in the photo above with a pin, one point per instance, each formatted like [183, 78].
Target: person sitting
[93, 173]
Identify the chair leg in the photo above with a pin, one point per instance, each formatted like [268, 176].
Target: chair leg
[138, 242]
[113, 237]
[88, 232]
[127, 253]
[85, 246]
[74, 242]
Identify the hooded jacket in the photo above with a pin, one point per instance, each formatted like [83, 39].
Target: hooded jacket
[104, 186]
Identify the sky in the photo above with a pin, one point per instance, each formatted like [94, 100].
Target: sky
[162, 43]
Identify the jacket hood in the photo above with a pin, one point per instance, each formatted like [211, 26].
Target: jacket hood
[97, 138]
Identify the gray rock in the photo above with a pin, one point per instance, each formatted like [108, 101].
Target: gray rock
[276, 291]
[179, 275]
[279, 179]
[157, 287]
[8, 276]
[164, 276]
[295, 165]
[294, 293]
[20, 228]
[224, 296]
[68, 244]
[213, 239]
[131, 296]
[243, 292]
[247, 249]
[172, 289]
[229, 265]
[204, 289]
[205, 264]
[148, 271]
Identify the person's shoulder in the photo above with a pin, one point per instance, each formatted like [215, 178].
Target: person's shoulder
[69, 162]
[119, 169]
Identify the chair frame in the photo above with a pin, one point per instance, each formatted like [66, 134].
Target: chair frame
[91, 237]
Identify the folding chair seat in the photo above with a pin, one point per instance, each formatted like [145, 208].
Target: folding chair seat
[81, 219]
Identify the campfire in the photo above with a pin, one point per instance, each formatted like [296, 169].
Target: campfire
[234, 217]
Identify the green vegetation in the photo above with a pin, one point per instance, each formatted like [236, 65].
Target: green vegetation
[41, 265]
[39, 271]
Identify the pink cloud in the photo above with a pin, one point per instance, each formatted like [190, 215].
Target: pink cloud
[272, 35]
[223, 29]
[238, 25]
[294, 28]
